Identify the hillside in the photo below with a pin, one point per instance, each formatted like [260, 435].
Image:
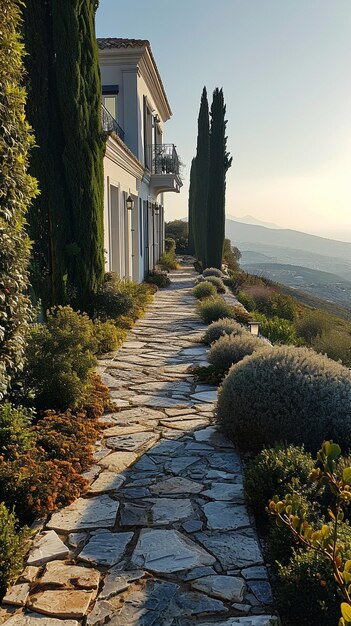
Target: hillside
[290, 247]
[239, 232]
[324, 285]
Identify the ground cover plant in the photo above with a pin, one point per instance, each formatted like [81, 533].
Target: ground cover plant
[303, 397]
[230, 349]
[158, 278]
[204, 290]
[328, 541]
[212, 271]
[213, 309]
[217, 283]
[224, 326]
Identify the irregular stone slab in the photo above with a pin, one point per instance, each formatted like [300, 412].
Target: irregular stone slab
[105, 548]
[132, 441]
[235, 478]
[226, 516]
[198, 572]
[134, 514]
[145, 465]
[252, 620]
[212, 436]
[167, 551]
[135, 493]
[223, 491]
[226, 461]
[234, 548]
[100, 613]
[77, 540]
[118, 461]
[191, 603]
[148, 607]
[117, 581]
[47, 547]
[57, 603]
[177, 412]
[60, 574]
[225, 587]
[184, 424]
[205, 396]
[166, 511]
[192, 526]
[34, 619]
[92, 473]
[176, 485]
[116, 431]
[86, 513]
[180, 463]
[17, 595]
[107, 482]
[29, 574]
[166, 448]
[262, 590]
[255, 573]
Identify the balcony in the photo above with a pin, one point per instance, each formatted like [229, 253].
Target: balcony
[163, 162]
[109, 124]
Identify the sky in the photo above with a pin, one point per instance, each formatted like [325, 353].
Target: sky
[284, 66]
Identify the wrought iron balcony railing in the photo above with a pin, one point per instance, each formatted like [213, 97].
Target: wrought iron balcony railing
[163, 159]
[109, 124]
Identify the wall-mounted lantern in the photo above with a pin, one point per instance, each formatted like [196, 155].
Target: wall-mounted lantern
[156, 209]
[254, 328]
[130, 203]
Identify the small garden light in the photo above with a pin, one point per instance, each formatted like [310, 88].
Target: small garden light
[254, 328]
[130, 203]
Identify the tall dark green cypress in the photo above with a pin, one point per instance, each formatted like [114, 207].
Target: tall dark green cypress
[191, 203]
[79, 99]
[202, 182]
[48, 218]
[64, 108]
[220, 161]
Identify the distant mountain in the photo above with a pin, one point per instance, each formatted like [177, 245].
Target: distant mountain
[249, 219]
[239, 232]
[325, 285]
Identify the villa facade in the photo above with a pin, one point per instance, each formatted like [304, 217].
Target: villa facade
[139, 167]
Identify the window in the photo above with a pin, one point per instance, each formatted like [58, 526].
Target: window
[109, 99]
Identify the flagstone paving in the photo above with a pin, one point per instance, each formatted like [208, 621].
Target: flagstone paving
[162, 537]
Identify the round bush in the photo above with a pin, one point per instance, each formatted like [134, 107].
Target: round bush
[200, 279]
[213, 271]
[160, 279]
[225, 326]
[275, 471]
[306, 590]
[241, 315]
[217, 282]
[204, 290]
[213, 309]
[231, 349]
[286, 394]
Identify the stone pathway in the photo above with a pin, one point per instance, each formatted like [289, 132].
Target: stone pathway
[163, 537]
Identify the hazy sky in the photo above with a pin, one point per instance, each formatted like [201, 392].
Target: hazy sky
[284, 66]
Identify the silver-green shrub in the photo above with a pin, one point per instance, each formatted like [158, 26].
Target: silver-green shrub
[231, 349]
[224, 326]
[213, 309]
[286, 394]
[204, 290]
[217, 282]
[199, 279]
[213, 271]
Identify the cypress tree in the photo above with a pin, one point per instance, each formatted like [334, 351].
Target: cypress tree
[49, 217]
[17, 189]
[192, 195]
[79, 100]
[220, 161]
[65, 108]
[202, 182]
